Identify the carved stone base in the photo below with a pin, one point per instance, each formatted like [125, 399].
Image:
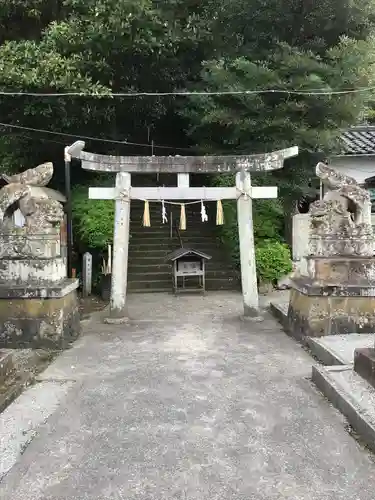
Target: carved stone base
[37, 271]
[19, 243]
[342, 269]
[316, 310]
[46, 317]
[339, 245]
[364, 364]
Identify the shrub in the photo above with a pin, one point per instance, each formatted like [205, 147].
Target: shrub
[273, 261]
[93, 219]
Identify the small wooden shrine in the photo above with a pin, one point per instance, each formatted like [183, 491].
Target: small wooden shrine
[188, 263]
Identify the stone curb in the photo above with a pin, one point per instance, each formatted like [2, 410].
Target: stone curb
[323, 353]
[341, 400]
[16, 390]
[27, 378]
[278, 313]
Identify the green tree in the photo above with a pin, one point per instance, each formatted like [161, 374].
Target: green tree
[314, 45]
[98, 47]
[324, 45]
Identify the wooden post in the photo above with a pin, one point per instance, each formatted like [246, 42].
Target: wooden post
[247, 246]
[118, 312]
[87, 274]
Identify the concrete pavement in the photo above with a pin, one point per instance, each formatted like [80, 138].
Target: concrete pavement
[186, 402]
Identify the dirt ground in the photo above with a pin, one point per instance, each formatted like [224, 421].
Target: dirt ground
[88, 305]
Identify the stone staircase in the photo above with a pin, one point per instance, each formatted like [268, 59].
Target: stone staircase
[148, 247]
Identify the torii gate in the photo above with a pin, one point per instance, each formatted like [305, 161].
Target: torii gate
[243, 192]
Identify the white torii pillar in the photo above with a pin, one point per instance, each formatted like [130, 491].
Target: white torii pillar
[121, 230]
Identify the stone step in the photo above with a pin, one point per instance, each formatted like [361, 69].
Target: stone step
[155, 254]
[203, 246]
[149, 246]
[163, 238]
[146, 285]
[160, 260]
[351, 395]
[150, 272]
[166, 285]
[160, 229]
[159, 274]
[339, 349]
[156, 214]
[150, 261]
[137, 225]
[191, 240]
[197, 245]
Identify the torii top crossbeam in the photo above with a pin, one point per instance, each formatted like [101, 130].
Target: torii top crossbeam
[182, 164]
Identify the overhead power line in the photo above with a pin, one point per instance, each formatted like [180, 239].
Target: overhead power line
[88, 138]
[308, 92]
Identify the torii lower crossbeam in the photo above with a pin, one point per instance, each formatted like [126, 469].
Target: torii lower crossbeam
[183, 193]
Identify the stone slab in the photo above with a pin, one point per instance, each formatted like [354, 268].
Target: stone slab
[350, 394]
[364, 363]
[339, 349]
[20, 421]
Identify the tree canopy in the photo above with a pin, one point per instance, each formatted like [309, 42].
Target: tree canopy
[102, 47]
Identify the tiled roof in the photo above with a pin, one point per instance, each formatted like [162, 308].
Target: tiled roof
[359, 140]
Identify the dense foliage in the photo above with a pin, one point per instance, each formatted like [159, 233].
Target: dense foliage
[273, 261]
[93, 220]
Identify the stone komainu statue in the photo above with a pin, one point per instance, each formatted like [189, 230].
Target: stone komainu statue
[341, 221]
[40, 212]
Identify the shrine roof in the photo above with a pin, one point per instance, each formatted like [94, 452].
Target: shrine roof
[358, 140]
[186, 252]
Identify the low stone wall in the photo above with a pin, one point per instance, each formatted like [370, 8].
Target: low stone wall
[39, 317]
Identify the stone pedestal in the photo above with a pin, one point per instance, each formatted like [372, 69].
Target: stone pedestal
[39, 316]
[38, 304]
[337, 297]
